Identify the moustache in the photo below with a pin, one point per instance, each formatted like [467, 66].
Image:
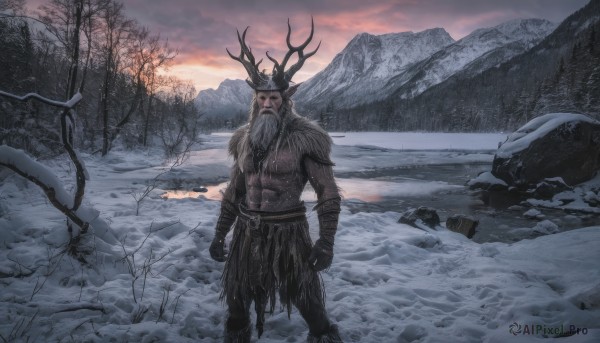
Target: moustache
[267, 111]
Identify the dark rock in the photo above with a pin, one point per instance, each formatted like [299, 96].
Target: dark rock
[554, 145]
[462, 224]
[592, 198]
[200, 189]
[548, 187]
[488, 182]
[501, 199]
[426, 215]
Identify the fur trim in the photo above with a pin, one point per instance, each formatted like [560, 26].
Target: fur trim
[306, 138]
[331, 336]
[238, 139]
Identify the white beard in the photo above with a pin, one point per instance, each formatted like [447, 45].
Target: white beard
[264, 129]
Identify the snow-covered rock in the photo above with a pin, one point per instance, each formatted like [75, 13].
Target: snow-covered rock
[547, 188]
[562, 145]
[421, 216]
[533, 214]
[487, 181]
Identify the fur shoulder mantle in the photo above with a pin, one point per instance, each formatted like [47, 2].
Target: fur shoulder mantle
[307, 139]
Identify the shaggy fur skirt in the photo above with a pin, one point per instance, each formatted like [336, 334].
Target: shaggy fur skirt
[269, 257]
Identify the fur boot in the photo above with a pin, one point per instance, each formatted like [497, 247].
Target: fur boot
[238, 336]
[332, 335]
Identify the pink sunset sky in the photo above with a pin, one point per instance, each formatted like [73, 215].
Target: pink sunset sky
[202, 29]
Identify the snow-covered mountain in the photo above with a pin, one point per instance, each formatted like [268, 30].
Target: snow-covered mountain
[364, 66]
[231, 97]
[471, 55]
[372, 68]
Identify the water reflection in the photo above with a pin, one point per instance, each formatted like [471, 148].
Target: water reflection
[212, 193]
[370, 191]
[437, 186]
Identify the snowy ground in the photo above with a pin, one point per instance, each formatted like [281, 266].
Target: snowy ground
[389, 282]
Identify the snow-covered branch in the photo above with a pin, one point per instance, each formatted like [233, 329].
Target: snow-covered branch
[21, 163]
[68, 104]
[24, 165]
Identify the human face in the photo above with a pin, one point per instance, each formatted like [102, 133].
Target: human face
[268, 102]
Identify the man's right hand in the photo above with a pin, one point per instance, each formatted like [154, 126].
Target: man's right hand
[217, 250]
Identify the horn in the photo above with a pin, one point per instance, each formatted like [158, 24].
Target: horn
[282, 77]
[255, 76]
[292, 90]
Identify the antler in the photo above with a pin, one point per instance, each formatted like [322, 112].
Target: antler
[280, 76]
[256, 77]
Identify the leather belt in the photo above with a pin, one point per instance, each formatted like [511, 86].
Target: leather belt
[255, 218]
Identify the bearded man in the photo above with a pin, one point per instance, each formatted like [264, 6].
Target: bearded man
[271, 252]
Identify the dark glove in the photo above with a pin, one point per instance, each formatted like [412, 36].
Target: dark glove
[226, 219]
[321, 255]
[217, 249]
[322, 252]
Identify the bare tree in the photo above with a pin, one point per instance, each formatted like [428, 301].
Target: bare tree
[15, 5]
[179, 122]
[128, 49]
[116, 30]
[158, 57]
[92, 10]
[66, 20]
[90, 47]
[37, 173]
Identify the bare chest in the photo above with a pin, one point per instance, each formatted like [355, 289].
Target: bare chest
[277, 182]
[280, 163]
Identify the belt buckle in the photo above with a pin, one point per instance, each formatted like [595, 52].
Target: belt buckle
[254, 222]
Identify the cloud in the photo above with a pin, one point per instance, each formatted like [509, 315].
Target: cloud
[202, 29]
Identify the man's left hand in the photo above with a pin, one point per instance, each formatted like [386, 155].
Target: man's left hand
[321, 255]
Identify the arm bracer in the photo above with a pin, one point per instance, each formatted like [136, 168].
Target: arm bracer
[328, 212]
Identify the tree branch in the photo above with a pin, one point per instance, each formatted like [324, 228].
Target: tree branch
[35, 172]
[22, 164]
[68, 104]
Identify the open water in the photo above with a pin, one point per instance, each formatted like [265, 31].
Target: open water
[498, 216]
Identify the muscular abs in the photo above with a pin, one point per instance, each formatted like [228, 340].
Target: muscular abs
[278, 183]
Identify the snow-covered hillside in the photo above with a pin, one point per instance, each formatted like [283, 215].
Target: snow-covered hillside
[360, 70]
[229, 99]
[471, 55]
